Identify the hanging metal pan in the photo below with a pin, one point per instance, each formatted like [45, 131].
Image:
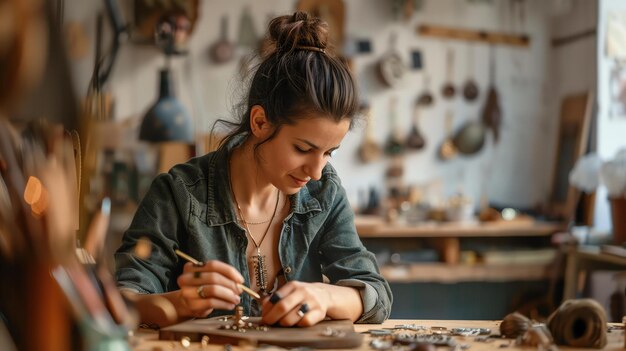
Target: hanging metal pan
[470, 138]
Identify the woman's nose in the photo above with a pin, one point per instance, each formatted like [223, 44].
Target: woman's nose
[315, 166]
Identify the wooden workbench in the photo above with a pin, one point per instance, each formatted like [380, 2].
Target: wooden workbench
[147, 340]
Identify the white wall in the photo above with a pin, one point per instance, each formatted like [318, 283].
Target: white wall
[512, 173]
[516, 172]
[611, 132]
[573, 65]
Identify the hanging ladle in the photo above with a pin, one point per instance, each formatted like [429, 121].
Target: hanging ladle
[415, 140]
[448, 89]
[426, 97]
[222, 50]
[447, 150]
[470, 89]
[369, 150]
[395, 143]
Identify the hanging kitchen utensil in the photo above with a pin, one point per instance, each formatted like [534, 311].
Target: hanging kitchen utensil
[172, 34]
[369, 150]
[447, 90]
[447, 150]
[470, 138]
[395, 142]
[470, 89]
[391, 67]
[426, 98]
[247, 36]
[148, 12]
[492, 114]
[415, 140]
[222, 50]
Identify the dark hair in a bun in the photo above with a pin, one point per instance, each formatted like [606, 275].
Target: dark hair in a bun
[299, 77]
[286, 33]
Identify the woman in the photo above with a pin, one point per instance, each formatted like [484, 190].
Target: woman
[265, 209]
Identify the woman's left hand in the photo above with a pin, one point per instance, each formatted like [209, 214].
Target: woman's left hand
[297, 303]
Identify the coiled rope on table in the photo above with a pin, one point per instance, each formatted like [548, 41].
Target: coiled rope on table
[579, 323]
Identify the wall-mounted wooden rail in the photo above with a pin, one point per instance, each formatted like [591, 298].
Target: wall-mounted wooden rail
[521, 40]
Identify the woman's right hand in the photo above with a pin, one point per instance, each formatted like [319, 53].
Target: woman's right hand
[208, 287]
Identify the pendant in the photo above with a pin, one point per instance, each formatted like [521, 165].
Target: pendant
[260, 271]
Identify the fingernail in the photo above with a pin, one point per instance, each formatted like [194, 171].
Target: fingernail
[275, 298]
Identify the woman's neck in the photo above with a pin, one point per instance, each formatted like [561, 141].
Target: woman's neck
[249, 185]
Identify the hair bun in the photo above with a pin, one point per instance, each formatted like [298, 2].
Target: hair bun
[300, 29]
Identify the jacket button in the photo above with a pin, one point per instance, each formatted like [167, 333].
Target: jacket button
[287, 270]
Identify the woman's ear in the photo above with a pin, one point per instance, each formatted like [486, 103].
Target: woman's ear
[259, 124]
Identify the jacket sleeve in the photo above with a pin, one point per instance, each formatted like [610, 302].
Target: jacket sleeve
[346, 262]
[158, 218]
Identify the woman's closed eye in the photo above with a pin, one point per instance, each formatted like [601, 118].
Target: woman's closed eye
[301, 150]
[330, 153]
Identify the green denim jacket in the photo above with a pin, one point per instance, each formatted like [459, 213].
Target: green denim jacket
[190, 208]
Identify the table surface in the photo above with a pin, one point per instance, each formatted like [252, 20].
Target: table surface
[147, 340]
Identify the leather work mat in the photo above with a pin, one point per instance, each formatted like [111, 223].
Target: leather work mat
[284, 337]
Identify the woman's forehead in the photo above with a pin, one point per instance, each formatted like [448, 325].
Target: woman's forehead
[317, 128]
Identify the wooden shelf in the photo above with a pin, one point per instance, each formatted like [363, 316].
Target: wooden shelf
[374, 227]
[447, 274]
[474, 35]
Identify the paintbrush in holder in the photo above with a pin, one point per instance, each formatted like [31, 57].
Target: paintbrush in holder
[51, 290]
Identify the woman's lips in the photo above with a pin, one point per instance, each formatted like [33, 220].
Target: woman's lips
[299, 182]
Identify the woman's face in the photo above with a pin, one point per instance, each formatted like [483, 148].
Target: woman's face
[299, 152]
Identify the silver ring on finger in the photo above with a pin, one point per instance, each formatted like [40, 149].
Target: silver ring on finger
[304, 308]
[200, 291]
